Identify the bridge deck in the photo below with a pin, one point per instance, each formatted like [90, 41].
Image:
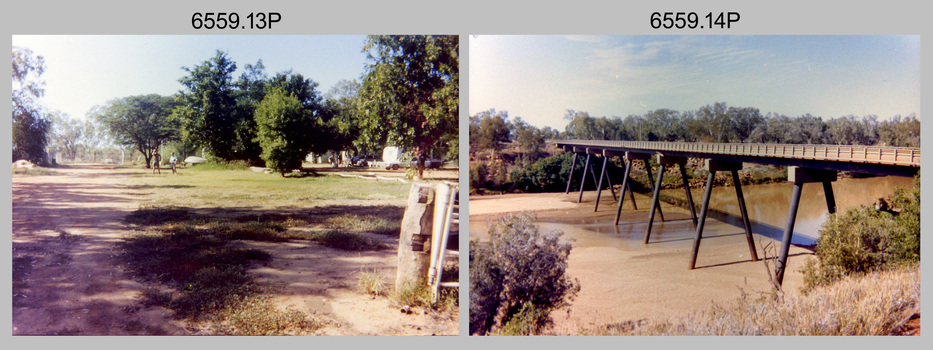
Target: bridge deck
[885, 160]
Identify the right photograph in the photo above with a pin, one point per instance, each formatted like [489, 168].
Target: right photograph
[694, 185]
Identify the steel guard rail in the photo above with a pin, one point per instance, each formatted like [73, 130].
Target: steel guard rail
[900, 156]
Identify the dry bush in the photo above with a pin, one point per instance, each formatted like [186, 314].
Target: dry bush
[875, 304]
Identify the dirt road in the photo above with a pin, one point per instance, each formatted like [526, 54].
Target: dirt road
[66, 280]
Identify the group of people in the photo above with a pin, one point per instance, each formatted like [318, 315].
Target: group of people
[157, 160]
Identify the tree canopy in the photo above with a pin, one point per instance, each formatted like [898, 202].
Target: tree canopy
[410, 92]
[143, 121]
[283, 124]
[208, 109]
[31, 123]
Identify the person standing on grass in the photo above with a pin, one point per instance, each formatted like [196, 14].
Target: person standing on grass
[172, 161]
[156, 160]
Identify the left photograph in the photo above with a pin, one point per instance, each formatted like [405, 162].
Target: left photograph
[235, 185]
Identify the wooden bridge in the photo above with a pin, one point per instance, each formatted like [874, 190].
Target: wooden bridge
[806, 163]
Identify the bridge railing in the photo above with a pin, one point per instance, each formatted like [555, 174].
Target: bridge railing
[903, 156]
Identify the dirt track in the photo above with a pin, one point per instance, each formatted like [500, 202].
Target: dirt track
[66, 280]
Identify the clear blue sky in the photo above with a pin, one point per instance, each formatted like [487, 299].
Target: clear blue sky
[538, 78]
[84, 71]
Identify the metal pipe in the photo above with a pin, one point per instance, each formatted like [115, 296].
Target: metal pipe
[441, 201]
[742, 209]
[628, 169]
[788, 234]
[654, 202]
[583, 179]
[693, 209]
[573, 163]
[703, 210]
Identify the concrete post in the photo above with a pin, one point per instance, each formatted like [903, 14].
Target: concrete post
[414, 257]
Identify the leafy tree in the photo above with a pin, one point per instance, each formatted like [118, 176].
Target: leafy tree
[250, 90]
[283, 123]
[529, 138]
[491, 129]
[410, 93]
[208, 109]
[144, 121]
[31, 124]
[67, 135]
[340, 107]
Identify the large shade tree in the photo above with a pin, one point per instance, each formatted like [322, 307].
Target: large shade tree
[410, 92]
[143, 121]
[208, 109]
[31, 124]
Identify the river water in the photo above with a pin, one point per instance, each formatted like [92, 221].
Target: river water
[767, 206]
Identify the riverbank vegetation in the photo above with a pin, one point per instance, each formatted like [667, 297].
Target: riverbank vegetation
[509, 155]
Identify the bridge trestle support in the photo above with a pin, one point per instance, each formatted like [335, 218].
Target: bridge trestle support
[733, 167]
[799, 176]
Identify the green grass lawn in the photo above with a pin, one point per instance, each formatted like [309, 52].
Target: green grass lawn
[198, 187]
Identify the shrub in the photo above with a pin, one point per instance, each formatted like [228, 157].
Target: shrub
[519, 268]
[478, 174]
[865, 239]
[282, 126]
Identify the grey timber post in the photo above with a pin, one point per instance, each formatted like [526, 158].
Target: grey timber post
[703, 211]
[628, 169]
[651, 182]
[599, 186]
[573, 164]
[693, 209]
[732, 167]
[413, 253]
[800, 176]
[655, 199]
[655, 206]
[745, 222]
[583, 177]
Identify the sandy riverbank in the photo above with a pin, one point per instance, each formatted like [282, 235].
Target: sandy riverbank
[623, 279]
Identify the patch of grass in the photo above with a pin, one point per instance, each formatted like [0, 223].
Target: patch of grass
[257, 315]
[875, 304]
[154, 216]
[413, 294]
[364, 223]
[253, 230]
[220, 166]
[372, 282]
[529, 320]
[209, 272]
[211, 187]
[448, 300]
[344, 240]
[34, 171]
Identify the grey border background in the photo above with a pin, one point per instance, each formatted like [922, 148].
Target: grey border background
[464, 17]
